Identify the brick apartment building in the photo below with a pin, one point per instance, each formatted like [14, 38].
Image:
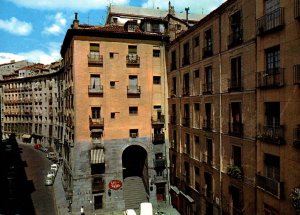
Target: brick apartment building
[233, 106]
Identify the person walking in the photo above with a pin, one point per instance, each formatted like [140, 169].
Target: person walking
[82, 210]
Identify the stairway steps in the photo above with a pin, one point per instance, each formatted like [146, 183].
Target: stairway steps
[134, 192]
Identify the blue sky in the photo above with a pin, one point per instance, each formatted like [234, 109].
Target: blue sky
[34, 29]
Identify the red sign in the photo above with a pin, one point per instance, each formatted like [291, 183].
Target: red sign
[115, 184]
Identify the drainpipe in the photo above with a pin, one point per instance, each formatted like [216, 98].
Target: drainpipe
[220, 114]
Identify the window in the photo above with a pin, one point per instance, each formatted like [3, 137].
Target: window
[236, 156]
[156, 53]
[132, 50]
[197, 139]
[115, 20]
[173, 91]
[155, 27]
[112, 84]
[94, 47]
[111, 55]
[98, 202]
[95, 81]
[156, 79]
[197, 171]
[186, 54]
[173, 60]
[272, 114]
[272, 167]
[235, 119]
[133, 80]
[112, 115]
[133, 133]
[272, 60]
[157, 107]
[196, 41]
[236, 73]
[186, 84]
[208, 44]
[196, 73]
[236, 31]
[187, 148]
[133, 110]
[271, 5]
[208, 80]
[96, 112]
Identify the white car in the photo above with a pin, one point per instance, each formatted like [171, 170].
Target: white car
[49, 180]
[54, 167]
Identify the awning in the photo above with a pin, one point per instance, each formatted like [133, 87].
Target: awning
[97, 156]
[175, 189]
[26, 136]
[190, 199]
[97, 130]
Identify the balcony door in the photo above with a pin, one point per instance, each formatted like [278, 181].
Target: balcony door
[95, 81]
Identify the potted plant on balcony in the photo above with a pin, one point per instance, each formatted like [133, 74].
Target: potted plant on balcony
[295, 198]
[235, 172]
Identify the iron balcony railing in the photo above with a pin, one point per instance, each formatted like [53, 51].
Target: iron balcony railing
[207, 51]
[160, 178]
[207, 88]
[95, 58]
[234, 85]
[134, 89]
[236, 129]
[270, 185]
[159, 138]
[235, 38]
[207, 125]
[160, 163]
[186, 91]
[297, 9]
[270, 79]
[95, 89]
[96, 123]
[158, 120]
[272, 134]
[297, 73]
[132, 59]
[270, 21]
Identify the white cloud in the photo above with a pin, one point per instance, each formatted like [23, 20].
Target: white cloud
[196, 6]
[15, 26]
[58, 26]
[78, 5]
[36, 56]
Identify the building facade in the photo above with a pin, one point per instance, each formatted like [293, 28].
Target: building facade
[115, 108]
[229, 99]
[8, 68]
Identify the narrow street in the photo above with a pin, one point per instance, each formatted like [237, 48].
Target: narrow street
[36, 170]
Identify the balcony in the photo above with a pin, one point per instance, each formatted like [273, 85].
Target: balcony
[96, 90]
[235, 129]
[235, 38]
[272, 134]
[207, 88]
[98, 185]
[270, 22]
[132, 60]
[160, 178]
[134, 90]
[158, 121]
[208, 159]
[207, 125]
[186, 91]
[158, 138]
[235, 172]
[159, 163]
[96, 123]
[95, 58]
[186, 122]
[297, 73]
[296, 135]
[270, 185]
[270, 79]
[186, 61]
[234, 85]
[297, 9]
[207, 52]
[98, 143]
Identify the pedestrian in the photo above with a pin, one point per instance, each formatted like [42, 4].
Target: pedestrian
[82, 210]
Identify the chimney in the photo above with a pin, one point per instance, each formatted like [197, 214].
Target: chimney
[75, 22]
[187, 14]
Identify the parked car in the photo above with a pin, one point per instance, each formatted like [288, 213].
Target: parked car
[37, 146]
[49, 180]
[54, 167]
[52, 173]
[44, 149]
[51, 156]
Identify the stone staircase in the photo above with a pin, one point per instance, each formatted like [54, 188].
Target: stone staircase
[134, 192]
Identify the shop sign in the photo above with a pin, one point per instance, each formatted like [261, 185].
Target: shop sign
[115, 184]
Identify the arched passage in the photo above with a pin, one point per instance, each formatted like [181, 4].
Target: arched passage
[134, 160]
